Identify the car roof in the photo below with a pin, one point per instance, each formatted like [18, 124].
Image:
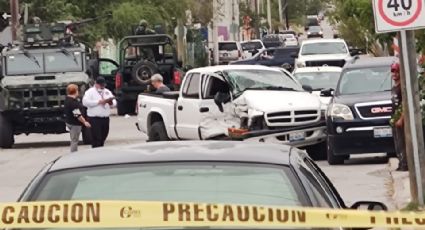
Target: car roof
[217, 68]
[365, 62]
[321, 40]
[318, 69]
[178, 151]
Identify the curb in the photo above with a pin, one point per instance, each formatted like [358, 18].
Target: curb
[400, 185]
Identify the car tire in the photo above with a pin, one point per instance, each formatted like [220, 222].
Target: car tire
[6, 134]
[157, 132]
[86, 133]
[317, 152]
[125, 107]
[142, 71]
[331, 157]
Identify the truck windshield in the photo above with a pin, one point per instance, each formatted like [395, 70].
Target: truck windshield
[324, 48]
[39, 63]
[365, 80]
[242, 80]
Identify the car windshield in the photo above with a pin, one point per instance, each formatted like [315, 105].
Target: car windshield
[228, 46]
[319, 80]
[251, 46]
[39, 63]
[181, 182]
[324, 48]
[242, 80]
[365, 80]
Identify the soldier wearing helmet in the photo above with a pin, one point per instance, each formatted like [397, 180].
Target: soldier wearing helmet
[142, 28]
[398, 128]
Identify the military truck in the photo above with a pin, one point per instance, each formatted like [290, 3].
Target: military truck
[33, 81]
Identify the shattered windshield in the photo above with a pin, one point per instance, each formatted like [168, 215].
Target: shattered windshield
[242, 80]
[39, 63]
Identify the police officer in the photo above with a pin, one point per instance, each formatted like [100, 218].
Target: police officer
[99, 101]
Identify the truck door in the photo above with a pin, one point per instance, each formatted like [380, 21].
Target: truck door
[188, 108]
[214, 123]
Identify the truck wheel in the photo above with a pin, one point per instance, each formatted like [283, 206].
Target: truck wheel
[6, 134]
[86, 133]
[332, 159]
[157, 132]
[142, 71]
[317, 152]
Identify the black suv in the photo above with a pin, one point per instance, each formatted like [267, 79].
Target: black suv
[359, 113]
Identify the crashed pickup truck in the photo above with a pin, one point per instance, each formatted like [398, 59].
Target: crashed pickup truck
[240, 102]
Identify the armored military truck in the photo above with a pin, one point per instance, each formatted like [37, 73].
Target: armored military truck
[33, 81]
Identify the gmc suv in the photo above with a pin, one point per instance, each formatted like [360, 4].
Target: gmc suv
[359, 113]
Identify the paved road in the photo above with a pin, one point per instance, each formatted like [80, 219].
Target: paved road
[362, 178]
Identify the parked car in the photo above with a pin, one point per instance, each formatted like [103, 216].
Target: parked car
[273, 40]
[229, 51]
[290, 40]
[314, 32]
[279, 176]
[289, 32]
[280, 57]
[321, 79]
[319, 52]
[238, 102]
[252, 47]
[359, 113]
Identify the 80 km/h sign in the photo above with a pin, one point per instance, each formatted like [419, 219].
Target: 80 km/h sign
[396, 15]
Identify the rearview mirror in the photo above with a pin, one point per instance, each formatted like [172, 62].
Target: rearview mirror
[294, 55]
[354, 52]
[369, 205]
[221, 98]
[308, 88]
[327, 92]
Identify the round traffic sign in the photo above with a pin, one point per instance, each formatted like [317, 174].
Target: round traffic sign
[400, 12]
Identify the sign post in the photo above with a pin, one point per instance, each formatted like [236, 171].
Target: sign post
[399, 16]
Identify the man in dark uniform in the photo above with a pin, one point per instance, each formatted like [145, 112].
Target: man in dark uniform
[398, 124]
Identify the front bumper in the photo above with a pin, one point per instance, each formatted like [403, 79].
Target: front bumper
[313, 134]
[360, 140]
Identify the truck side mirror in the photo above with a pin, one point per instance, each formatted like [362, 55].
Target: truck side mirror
[327, 92]
[221, 98]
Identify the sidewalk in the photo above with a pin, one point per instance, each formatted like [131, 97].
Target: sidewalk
[401, 187]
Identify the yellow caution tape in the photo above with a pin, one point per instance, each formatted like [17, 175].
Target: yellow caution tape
[119, 214]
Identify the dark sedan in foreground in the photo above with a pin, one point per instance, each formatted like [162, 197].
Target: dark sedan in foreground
[205, 172]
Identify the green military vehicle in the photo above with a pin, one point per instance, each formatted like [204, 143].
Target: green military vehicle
[33, 81]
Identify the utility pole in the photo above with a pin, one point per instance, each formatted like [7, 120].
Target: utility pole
[286, 14]
[280, 12]
[269, 15]
[412, 116]
[14, 11]
[215, 32]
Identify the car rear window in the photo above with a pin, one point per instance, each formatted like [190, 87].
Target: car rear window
[365, 80]
[185, 182]
[227, 46]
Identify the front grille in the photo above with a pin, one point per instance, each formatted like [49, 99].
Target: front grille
[374, 110]
[292, 118]
[37, 98]
[339, 63]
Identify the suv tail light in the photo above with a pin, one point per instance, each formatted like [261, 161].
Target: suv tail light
[118, 80]
[177, 78]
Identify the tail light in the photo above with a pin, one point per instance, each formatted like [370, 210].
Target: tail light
[177, 78]
[118, 80]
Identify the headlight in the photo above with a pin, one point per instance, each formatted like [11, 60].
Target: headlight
[320, 32]
[308, 33]
[340, 111]
[300, 64]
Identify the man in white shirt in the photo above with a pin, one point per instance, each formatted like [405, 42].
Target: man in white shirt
[99, 102]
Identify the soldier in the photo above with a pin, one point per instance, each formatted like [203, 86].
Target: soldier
[143, 29]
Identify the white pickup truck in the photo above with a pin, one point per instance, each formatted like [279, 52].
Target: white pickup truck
[241, 102]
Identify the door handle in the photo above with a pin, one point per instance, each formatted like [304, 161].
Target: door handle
[180, 107]
[204, 109]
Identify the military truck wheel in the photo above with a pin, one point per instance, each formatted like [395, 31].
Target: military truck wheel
[86, 133]
[157, 132]
[143, 71]
[6, 135]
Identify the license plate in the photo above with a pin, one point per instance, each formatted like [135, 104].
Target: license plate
[382, 132]
[296, 136]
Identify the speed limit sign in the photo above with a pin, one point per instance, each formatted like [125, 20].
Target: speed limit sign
[396, 15]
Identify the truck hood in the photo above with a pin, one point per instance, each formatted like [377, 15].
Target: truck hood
[43, 80]
[320, 57]
[274, 101]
